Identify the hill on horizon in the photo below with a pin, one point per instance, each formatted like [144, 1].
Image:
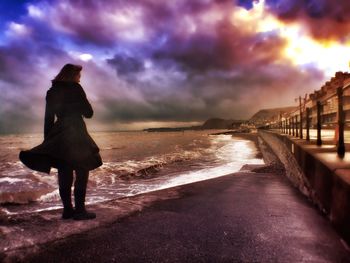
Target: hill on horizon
[267, 115]
[218, 123]
[210, 124]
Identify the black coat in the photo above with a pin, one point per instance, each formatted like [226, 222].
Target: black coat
[66, 140]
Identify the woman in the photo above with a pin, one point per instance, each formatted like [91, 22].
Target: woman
[67, 145]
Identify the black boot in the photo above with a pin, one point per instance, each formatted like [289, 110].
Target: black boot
[80, 211]
[68, 210]
[68, 213]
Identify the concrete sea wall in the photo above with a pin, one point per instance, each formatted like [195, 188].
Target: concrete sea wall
[318, 173]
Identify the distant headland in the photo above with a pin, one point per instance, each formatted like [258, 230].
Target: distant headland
[262, 116]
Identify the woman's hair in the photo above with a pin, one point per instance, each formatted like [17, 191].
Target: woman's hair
[68, 73]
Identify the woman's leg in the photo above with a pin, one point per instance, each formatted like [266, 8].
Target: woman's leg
[65, 181]
[81, 180]
[80, 184]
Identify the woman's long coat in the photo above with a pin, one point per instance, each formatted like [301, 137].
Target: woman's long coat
[66, 140]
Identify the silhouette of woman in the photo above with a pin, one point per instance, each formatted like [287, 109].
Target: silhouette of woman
[67, 145]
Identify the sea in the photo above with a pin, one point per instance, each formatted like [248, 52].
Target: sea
[133, 163]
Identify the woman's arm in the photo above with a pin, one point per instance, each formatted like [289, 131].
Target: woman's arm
[49, 115]
[85, 106]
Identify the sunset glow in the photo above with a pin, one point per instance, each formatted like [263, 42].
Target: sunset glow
[301, 49]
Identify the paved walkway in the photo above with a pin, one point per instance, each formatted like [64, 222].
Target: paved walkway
[244, 217]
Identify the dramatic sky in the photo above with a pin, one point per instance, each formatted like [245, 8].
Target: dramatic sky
[149, 63]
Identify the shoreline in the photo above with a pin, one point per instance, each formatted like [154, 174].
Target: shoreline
[244, 134]
[146, 171]
[272, 163]
[177, 226]
[253, 137]
[24, 235]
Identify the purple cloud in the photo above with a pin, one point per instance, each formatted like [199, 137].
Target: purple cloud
[147, 61]
[325, 19]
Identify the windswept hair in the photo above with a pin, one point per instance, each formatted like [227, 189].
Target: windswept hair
[68, 73]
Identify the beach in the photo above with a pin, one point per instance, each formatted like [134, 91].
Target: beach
[241, 217]
[133, 163]
[216, 219]
[204, 157]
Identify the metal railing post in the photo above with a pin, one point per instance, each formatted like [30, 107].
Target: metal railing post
[301, 119]
[281, 122]
[289, 127]
[340, 142]
[319, 140]
[308, 124]
[285, 126]
[296, 126]
[281, 126]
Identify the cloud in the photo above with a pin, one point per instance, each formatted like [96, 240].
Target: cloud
[325, 19]
[27, 64]
[110, 21]
[212, 94]
[248, 4]
[228, 49]
[125, 64]
[153, 61]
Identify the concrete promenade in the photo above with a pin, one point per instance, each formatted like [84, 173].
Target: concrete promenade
[326, 175]
[243, 217]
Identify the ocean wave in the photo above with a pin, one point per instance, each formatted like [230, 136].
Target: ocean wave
[19, 185]
[11, 180]
[146, 165]
[50, 196]
[22, 197]
[144, 169]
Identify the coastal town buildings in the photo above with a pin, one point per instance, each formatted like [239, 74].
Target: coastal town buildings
[327, 96]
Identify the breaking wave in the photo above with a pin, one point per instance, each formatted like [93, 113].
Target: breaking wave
[164, 161]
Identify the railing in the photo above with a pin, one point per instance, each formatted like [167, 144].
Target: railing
[328, 111]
